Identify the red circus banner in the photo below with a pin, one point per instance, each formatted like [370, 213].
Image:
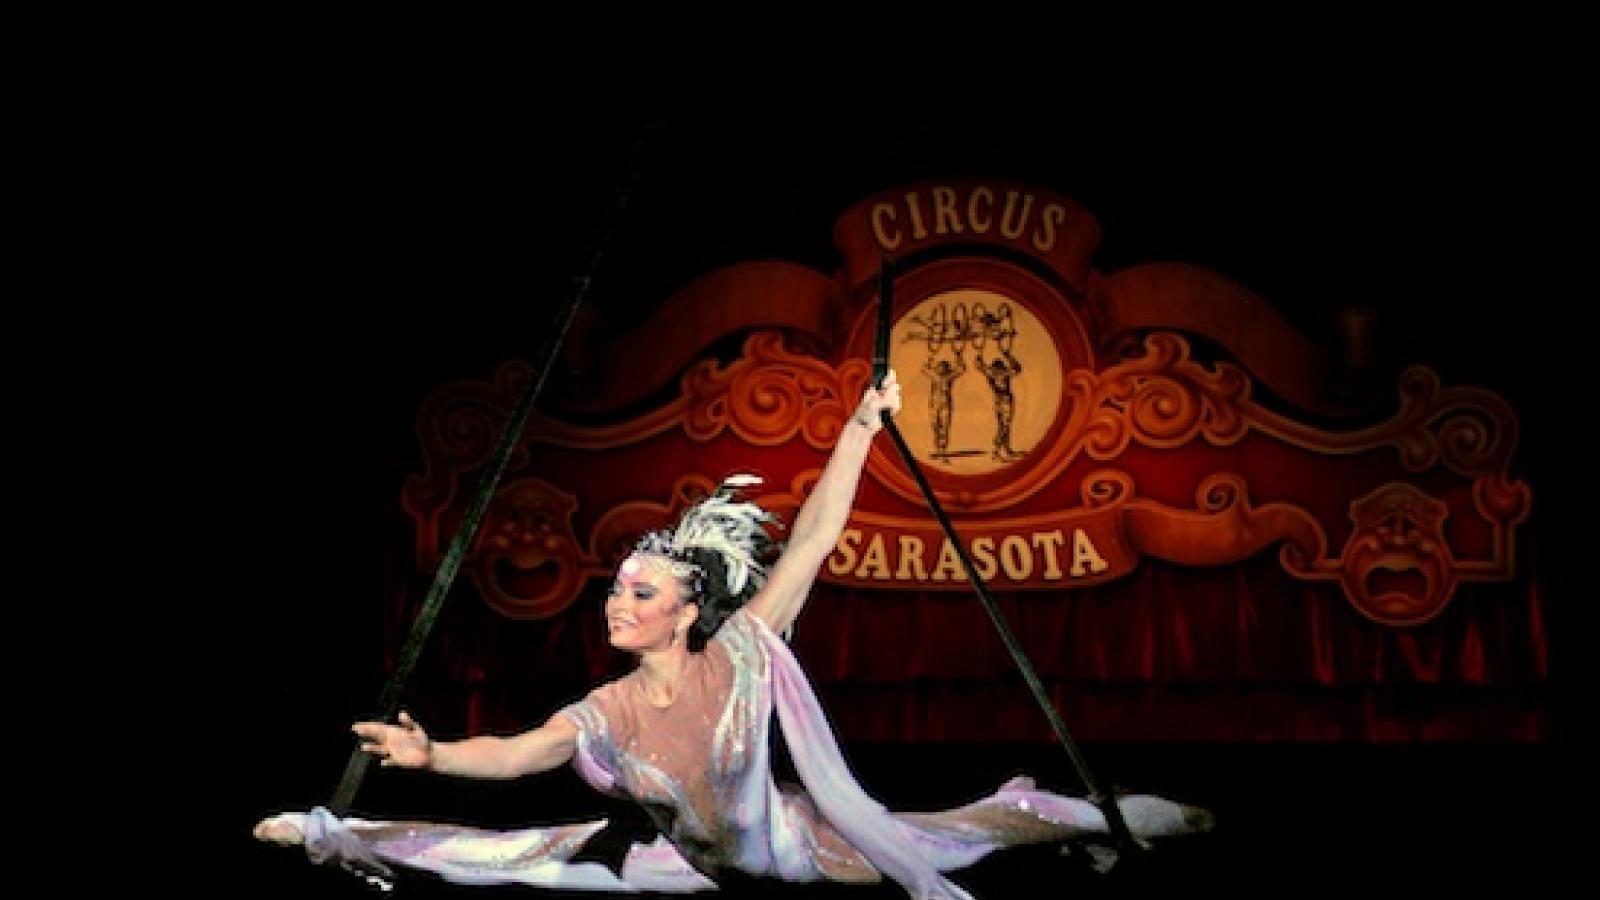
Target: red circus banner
[1073, 424]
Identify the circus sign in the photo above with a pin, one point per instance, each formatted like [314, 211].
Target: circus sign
[1062, 415]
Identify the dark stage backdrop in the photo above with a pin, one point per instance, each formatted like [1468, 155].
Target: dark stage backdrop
[416, 243]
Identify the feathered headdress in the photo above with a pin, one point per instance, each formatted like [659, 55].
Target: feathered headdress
[717, 546]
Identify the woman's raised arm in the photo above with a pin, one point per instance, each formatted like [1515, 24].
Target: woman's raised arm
[822, 517]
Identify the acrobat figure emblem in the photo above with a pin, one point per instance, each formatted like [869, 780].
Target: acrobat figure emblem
[1000, 371]
[941, 402]
[958, 327]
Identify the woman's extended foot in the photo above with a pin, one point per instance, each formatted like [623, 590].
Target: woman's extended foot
[280, 829]
[1149, 816]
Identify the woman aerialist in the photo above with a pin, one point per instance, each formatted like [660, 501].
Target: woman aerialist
[686, 736]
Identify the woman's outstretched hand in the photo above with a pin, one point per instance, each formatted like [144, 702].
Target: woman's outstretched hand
[875, 401]
[405, 745]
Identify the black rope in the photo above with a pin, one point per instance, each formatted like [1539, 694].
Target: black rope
[388, 702]
[880, 369]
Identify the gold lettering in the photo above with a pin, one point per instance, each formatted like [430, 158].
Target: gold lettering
[1046, 542]
[910, 559]
[980, 225]
[904, 557]
[1016, 558]
[917, 231]
[843, 558]
[875, 562]
[983, 557]
[1007, 230]
[1085, 558]
[949, 565]
[880, 212]
[944, 207]
[1045, 238]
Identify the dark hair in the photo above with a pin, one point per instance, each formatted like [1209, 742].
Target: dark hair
[711, 592]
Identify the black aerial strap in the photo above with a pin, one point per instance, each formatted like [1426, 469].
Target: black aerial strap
[444, 576]
[880, 368]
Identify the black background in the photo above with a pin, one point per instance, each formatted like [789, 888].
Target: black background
[375, 239]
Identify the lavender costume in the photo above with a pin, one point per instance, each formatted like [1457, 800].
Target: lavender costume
[702, 768]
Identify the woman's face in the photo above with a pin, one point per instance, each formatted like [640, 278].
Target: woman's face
[645, 607]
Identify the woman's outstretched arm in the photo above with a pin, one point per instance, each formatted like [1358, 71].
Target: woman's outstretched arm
[822, 517]
[408, 746]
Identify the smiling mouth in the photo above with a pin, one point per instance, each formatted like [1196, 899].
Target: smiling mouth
[531, 581]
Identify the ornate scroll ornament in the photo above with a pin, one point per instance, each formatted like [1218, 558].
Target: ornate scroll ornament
[767, 397]
[1396, 567]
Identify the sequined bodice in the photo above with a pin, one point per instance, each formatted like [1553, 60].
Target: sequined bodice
[689, 763]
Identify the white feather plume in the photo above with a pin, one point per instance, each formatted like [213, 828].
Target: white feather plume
[720, 524]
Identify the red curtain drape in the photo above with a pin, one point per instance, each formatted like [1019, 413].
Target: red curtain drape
[1239, 653]
[1235, 653]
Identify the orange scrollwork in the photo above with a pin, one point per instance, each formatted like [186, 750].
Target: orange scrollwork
[1161, 400]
